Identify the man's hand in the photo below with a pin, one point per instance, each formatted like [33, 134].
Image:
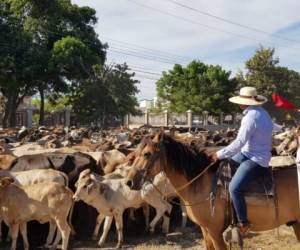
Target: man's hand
[214, 157]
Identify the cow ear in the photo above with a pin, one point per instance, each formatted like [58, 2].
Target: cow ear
[86, 171]
[89, 187]
[6, 181]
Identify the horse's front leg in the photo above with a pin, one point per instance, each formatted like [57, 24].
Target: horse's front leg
[216, 236]
[207, 240]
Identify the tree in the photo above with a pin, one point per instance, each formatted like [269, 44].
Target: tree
[197, 87]
[264, 73]
[108, 93]
[16, 68]
[62, 40]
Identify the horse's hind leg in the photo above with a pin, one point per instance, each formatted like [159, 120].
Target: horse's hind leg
[296, 227]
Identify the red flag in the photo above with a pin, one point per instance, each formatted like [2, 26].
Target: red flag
[280, 102]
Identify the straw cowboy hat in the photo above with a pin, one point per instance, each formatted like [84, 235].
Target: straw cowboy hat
[248, 96]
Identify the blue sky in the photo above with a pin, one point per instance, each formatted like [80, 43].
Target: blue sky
[129, 28]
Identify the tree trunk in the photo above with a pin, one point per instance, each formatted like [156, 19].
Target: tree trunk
[11, 105]
[13, 113]
[6, 112]
[42, 107]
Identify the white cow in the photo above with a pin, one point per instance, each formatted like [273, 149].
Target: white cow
[34, 176]
[43, 202]
[111, 197]
[155, 194]
[162, 189]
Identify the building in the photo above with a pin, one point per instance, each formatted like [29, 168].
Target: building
[26, 104]
[145, 104]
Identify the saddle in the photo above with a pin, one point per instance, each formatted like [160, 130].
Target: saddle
[262, 186]
[260, 190]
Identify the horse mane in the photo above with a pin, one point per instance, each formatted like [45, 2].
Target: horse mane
[184, 159]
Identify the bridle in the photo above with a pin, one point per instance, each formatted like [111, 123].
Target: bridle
[150, 164]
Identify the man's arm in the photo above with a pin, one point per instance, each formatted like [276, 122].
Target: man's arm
[246, 130]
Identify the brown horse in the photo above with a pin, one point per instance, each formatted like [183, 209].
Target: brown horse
[181, 164]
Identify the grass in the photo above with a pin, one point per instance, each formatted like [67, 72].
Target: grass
[263, 241]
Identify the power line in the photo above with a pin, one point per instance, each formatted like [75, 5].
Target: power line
[145, 72]
[205, 25]
[153, 50]
[143, 76]
[131, 53]
[115, 50]
[167, 55]
[142, 66]
[230, 22]
[145, 54]
[139, 56]
[121, 51]
[149, 53]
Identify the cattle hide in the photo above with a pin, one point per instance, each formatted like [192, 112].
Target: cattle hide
[28, 162]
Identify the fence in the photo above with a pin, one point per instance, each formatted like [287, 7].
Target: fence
[24, 117]
[61, 117]
[188, 120]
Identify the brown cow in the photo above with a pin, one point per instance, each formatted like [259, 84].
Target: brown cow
[70, 164]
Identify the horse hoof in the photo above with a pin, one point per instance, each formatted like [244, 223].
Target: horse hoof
[94, 237]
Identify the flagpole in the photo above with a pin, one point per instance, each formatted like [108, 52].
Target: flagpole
[298, 168]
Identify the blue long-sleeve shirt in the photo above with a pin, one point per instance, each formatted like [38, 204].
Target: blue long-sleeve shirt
[254, 138]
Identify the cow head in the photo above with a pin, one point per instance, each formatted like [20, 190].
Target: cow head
[84, 185]
[88, 184]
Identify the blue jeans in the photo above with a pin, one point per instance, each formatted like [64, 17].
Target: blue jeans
[246, 172]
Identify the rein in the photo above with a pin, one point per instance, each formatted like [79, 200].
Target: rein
[195, 178]
[177, 203]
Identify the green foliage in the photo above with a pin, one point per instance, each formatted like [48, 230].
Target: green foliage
[46, 46]
[264, 73]
[52, 105]
[197, 87]
[109, 92]
[70, 56]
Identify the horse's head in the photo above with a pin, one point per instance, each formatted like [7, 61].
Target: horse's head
[147, 162]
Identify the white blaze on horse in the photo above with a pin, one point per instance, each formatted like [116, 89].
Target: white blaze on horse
[182, 165]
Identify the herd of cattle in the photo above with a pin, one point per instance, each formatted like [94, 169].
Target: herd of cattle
[57, 176]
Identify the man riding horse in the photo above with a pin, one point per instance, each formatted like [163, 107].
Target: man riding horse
[251, 150]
